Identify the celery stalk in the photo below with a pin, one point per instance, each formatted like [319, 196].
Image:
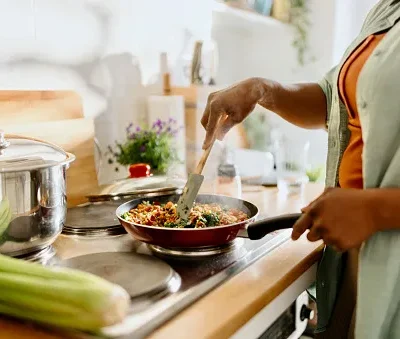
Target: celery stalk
[32, 302]
[59, 296]
[12, 265]
[95, 298]
[78, 321]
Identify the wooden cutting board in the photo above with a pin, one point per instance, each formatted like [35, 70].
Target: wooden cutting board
[75, 136]
[34, 106]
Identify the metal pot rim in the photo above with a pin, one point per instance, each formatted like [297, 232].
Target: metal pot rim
[5, 143]
[70, 158]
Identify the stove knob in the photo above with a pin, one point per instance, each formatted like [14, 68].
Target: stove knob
[306, 313]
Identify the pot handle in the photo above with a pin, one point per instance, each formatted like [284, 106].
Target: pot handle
[261, 228]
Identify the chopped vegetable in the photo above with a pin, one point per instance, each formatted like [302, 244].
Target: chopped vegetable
[59, 296]
[212, 219]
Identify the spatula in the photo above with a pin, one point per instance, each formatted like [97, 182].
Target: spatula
[192, 187]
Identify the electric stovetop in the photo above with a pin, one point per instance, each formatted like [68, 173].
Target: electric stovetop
[161, 284]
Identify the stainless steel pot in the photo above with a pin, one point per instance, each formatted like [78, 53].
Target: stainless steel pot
[33, 204]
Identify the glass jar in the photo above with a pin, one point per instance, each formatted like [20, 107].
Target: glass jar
[228, 182]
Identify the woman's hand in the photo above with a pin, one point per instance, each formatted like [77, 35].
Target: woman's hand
[342, 218]
[234, 104]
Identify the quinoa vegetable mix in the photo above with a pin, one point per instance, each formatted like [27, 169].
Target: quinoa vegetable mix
[201, 215]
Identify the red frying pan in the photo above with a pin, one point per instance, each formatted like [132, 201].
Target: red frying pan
[204, 237]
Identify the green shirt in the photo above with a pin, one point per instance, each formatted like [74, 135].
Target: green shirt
[378, 103]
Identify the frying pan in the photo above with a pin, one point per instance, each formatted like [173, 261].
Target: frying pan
[204, 237]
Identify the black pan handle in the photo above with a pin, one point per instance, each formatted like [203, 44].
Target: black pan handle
[261, 228]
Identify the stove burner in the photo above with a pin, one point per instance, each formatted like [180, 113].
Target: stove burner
[93, 220]
[42, 255]
[93, 215]
[96, 232]
[139, 274]
[198, 251]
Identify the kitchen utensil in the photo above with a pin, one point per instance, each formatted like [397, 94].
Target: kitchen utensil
[74, 136]
[33, 202]
[202, 237]
[252, 163]
[193, 185]
[136, 187]
[195, 77]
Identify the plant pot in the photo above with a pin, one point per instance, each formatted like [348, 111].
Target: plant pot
[281, 10]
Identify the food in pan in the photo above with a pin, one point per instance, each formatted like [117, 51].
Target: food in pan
[201, 215]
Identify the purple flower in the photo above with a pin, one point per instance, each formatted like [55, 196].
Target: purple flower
[172, 121]
[158, 124]
[142, 148]
[138, 129]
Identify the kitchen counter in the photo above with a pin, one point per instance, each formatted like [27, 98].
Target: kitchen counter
[228, 307]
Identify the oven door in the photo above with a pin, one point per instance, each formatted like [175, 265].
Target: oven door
[286, 317]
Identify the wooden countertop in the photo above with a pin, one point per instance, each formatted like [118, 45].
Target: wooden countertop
[225, 309]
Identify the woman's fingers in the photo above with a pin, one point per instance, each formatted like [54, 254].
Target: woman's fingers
[316, 232]
[225, 126]
[216, 127]
[214, 116]
[304, 223]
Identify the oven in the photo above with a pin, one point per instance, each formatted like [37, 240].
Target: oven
[286, 317]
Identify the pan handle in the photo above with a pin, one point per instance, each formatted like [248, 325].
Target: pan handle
[261, 228]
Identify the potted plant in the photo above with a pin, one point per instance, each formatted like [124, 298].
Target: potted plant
[146, 147]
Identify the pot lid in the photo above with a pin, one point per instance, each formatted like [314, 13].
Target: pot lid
[146, 187]
[18, 153]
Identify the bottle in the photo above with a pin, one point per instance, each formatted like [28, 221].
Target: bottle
[228, 182]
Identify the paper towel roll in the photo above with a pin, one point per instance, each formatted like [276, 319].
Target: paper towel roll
[165, 107]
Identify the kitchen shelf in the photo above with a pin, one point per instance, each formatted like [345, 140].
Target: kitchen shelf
[248, 16]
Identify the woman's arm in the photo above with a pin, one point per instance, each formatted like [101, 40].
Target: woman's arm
[304, 105]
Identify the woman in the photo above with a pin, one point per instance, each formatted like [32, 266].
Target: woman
[357, 216]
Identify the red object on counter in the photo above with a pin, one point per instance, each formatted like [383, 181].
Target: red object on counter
[139, 170]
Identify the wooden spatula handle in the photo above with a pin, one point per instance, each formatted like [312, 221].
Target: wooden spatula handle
[206, 152]
[203, 159]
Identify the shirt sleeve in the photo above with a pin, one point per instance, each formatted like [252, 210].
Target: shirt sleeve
[326, 84]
